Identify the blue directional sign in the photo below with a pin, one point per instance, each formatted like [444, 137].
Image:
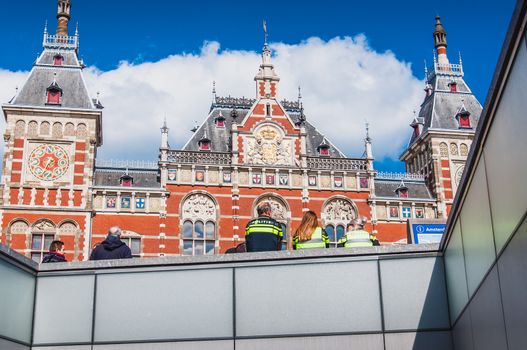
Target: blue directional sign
[428, 233]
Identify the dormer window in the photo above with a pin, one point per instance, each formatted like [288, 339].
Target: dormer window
[54, 93]
[323, 148]
[453, 86]
[220, 120]
[126, 180]
[58, 60]
[204, 143]
[402, 190]
[464, 121]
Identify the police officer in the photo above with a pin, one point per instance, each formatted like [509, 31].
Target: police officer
[309, 234]
[263, 233]
[358, 237]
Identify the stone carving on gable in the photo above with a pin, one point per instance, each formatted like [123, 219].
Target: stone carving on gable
[199, 206]
[267, 146]
[44, 225]
[338, 210]
[278, 208]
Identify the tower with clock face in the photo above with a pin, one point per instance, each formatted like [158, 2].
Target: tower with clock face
[53, 129]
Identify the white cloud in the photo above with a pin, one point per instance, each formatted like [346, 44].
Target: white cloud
[344, 82]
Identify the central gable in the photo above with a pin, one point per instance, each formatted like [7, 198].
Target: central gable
[268, 144]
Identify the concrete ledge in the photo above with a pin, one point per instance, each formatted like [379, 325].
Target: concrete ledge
[282, 257]
[17, 258]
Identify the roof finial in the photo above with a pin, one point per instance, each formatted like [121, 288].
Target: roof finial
[265, 32]
[46, 27]
[460, 60]
[54, 77]
[214, 87]
[77, 29]
[299, 94]
[368, 138]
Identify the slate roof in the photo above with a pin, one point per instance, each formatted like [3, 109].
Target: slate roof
[416, 189]
[68, 77]
[438, 111]
[220, 136]
[141, 177]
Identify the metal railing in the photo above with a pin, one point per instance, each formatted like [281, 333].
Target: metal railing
[131, 164]
[320, 163]
[400, 176]
[60, 41]
[192, 157]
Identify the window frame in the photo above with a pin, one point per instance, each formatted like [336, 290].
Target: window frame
[195, 238]
[43, 249]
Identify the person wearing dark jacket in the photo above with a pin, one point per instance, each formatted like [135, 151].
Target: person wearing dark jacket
[56, 253]
[112, 247]
[263, 233]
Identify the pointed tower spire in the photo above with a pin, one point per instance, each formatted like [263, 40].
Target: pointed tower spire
[440, 42]
[266, 78]
[164, 134]
[63, 17]
[299, 95]
[367, 142]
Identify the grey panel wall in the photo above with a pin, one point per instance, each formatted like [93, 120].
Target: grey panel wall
[419, 341]
[164, 305]
[414, 294]
[363, 342]
[505, 153]
[512, 267]
[494, 314]
[456, 276]
[17, 294]
[9, 345]
[64, 309]
[306, 299]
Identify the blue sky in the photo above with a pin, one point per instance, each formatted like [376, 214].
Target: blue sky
[140, 31]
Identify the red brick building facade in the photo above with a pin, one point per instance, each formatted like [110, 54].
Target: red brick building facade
[198, 199]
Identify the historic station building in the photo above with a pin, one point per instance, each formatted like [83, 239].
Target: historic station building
[198, 199]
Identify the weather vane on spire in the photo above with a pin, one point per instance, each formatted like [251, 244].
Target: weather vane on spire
[265, 31]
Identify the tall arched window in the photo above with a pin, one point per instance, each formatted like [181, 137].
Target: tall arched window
[280, 214]
[42, 234]
[198, 214]
[18, 227]
[337, 214]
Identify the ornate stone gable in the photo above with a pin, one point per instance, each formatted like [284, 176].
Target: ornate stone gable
[338, 210]
[198, 206]
[268, 145]
[278, 207]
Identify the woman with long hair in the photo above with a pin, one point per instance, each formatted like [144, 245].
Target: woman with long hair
[309, 234]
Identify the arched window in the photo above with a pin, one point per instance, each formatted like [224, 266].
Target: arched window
[453, 149]
[198, 231]
[42, 234]
[133, 241]
[44, 128]
[337, 214]
[280, 214]
[20, 128]
[18, 227]
[58, 60]
[463, 149]
[56, 130]
[443, 149]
